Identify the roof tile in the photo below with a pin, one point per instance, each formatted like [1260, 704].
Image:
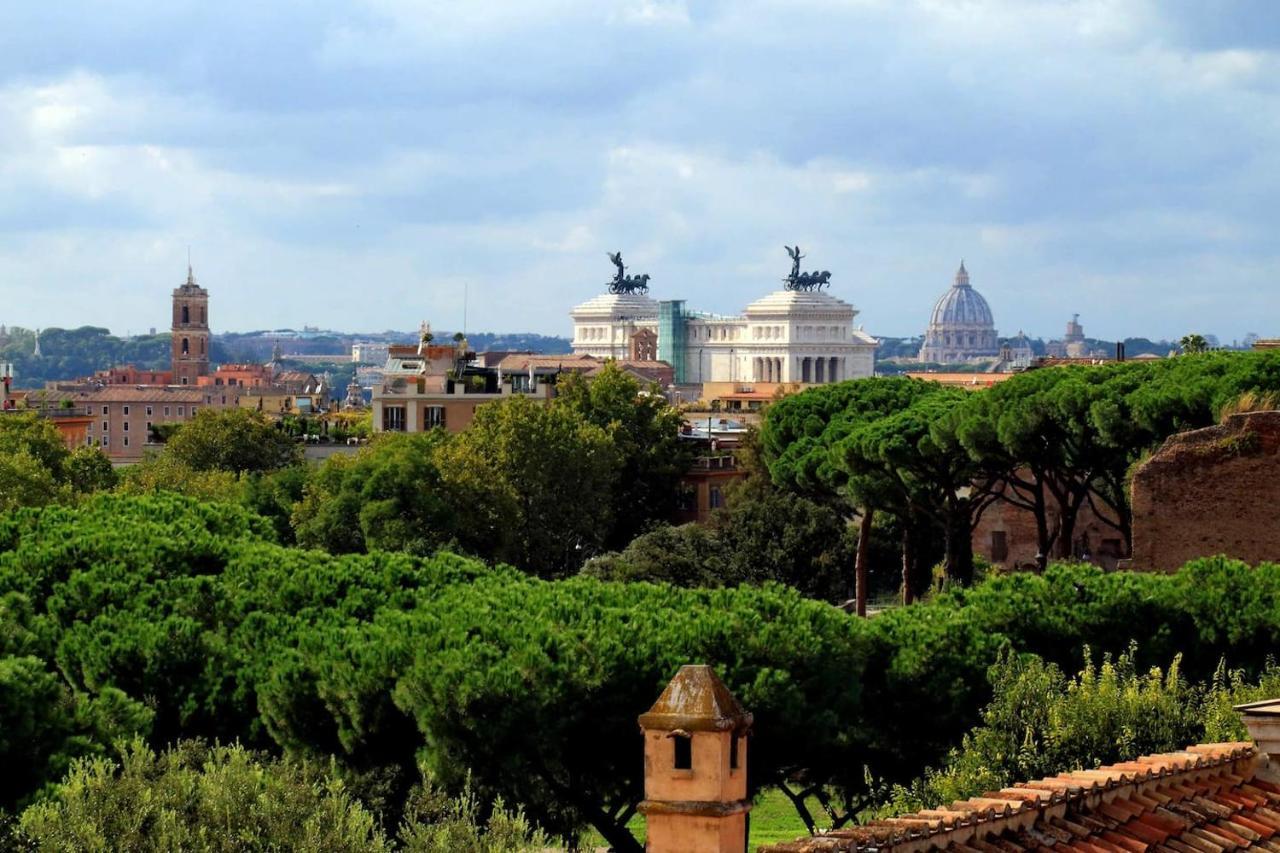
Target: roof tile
[1205, 799]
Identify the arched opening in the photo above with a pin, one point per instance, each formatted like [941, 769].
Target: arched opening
[186, 347]
[186, 314]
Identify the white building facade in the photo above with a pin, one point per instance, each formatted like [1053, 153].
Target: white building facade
[788, 336]
[366, 352]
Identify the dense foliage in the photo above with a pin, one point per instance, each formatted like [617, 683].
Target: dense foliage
[169, 618]
[195, 797]
[374, 652]
[645, 432]
[36, 468]
[1051, 442]
[764, 533]
[1040, 722]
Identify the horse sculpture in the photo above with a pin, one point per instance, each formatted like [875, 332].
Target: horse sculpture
[806, 281]
[623, 283]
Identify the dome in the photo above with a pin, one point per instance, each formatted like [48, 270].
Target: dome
[961, 327]
[961, 305]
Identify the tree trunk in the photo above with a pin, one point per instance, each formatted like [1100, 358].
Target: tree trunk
[959, 544]
[908, 593]
[860, 566]
[1065, 546]
[616, 834]
[1042, 534]
[802, 810]
[1069, 513]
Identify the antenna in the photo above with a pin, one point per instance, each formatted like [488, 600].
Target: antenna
[465, 287]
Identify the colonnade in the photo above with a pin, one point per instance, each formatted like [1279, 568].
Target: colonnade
[811, 369]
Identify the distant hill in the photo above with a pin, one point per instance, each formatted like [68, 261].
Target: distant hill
[69, 353]
[72, 353]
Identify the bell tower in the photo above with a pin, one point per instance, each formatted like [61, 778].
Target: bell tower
[190, 331]
[695, 767]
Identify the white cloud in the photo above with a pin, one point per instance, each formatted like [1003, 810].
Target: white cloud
[395, 149]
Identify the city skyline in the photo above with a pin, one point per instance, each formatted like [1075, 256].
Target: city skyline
[344, 166]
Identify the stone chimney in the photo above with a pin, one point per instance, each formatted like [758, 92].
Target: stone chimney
[695, 767]
[1262, 719]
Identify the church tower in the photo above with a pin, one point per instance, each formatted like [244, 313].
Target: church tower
[190, 331]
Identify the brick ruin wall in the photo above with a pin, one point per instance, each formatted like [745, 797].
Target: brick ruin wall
[1210, 491]
[1006, 536]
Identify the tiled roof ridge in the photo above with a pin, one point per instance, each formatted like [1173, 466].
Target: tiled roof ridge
[966, 823]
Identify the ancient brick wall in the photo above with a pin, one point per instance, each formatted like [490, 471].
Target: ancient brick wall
[1210, 491]
[1006, 535]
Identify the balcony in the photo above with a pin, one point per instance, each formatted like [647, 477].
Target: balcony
[717, 462]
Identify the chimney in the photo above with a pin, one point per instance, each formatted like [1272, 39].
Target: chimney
[1262, 719]
[695, 767]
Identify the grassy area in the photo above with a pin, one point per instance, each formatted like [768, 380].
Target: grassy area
[773, 819]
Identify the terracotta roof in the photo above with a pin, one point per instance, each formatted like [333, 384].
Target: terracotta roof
[519, 362]
[1206, 799]
[144, 394]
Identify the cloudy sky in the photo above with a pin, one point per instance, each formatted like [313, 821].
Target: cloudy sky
[354, 164]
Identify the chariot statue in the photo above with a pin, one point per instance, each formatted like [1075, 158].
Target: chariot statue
[623, 283]
[806, 281]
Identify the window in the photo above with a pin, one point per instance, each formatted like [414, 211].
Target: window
[393, 418]
[186, 314]
[182, 411]
[106, 410]
[999, 546]
[186, 346]
[106, 426]
[126, 410]
[166, 411]
[148, 413]
[193, 411]
[687, 498]
[733, 752]
[126, 441]
[184, 380]
[104, 441]
[716, 497]
[433, 417]
[126, 426]
[683, 752]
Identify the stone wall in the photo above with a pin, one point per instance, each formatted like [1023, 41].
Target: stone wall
[1210, 491]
